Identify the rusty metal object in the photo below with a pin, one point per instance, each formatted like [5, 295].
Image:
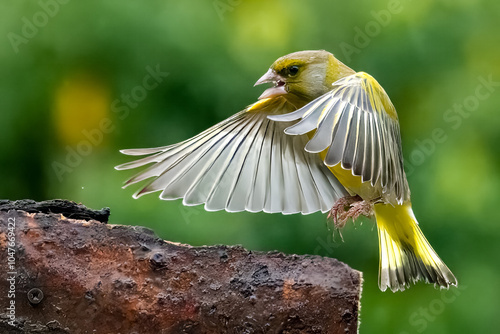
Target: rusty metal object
[91, 277]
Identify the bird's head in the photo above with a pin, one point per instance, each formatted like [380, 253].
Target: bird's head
[302, 76]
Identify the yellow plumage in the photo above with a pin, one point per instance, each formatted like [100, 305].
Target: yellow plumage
[405, 254]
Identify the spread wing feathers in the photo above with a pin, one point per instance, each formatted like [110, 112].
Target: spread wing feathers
[243, 163]
[358, 125]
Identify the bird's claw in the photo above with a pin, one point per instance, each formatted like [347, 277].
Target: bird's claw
[349, 207]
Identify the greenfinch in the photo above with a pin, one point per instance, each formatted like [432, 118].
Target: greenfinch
[322, 138]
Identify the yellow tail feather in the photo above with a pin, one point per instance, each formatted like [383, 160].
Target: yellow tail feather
[405, 254]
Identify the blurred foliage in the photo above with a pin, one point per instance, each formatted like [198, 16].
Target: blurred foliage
[67, 67]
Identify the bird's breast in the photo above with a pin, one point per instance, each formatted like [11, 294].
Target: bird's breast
[353, 183]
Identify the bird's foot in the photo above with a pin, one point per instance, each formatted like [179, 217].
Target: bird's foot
[349, 207]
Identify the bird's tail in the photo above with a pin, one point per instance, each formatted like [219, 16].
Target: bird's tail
[405, 254]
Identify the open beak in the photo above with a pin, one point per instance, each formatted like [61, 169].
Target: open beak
[278, 88]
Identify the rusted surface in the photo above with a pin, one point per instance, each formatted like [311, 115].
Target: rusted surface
[68, 208]
[78, 276]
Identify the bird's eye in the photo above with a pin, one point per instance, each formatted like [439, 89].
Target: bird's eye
[293, 70]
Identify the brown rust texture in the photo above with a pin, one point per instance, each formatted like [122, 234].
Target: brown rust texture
[101, 278]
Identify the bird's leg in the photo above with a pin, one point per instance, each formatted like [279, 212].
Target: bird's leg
[338, 213]
[349, 207]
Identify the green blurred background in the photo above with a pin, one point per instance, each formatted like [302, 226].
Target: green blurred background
[66, 66]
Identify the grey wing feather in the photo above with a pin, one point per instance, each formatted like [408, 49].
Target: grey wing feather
[351, 123]
[243, 163]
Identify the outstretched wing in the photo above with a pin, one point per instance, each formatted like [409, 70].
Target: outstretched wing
[243, 163]
[358, 125]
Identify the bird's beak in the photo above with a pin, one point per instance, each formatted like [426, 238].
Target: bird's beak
[278, 88]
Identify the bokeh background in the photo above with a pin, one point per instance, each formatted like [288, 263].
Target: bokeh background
[72, 95]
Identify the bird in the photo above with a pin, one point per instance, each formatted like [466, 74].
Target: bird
[322, 137]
